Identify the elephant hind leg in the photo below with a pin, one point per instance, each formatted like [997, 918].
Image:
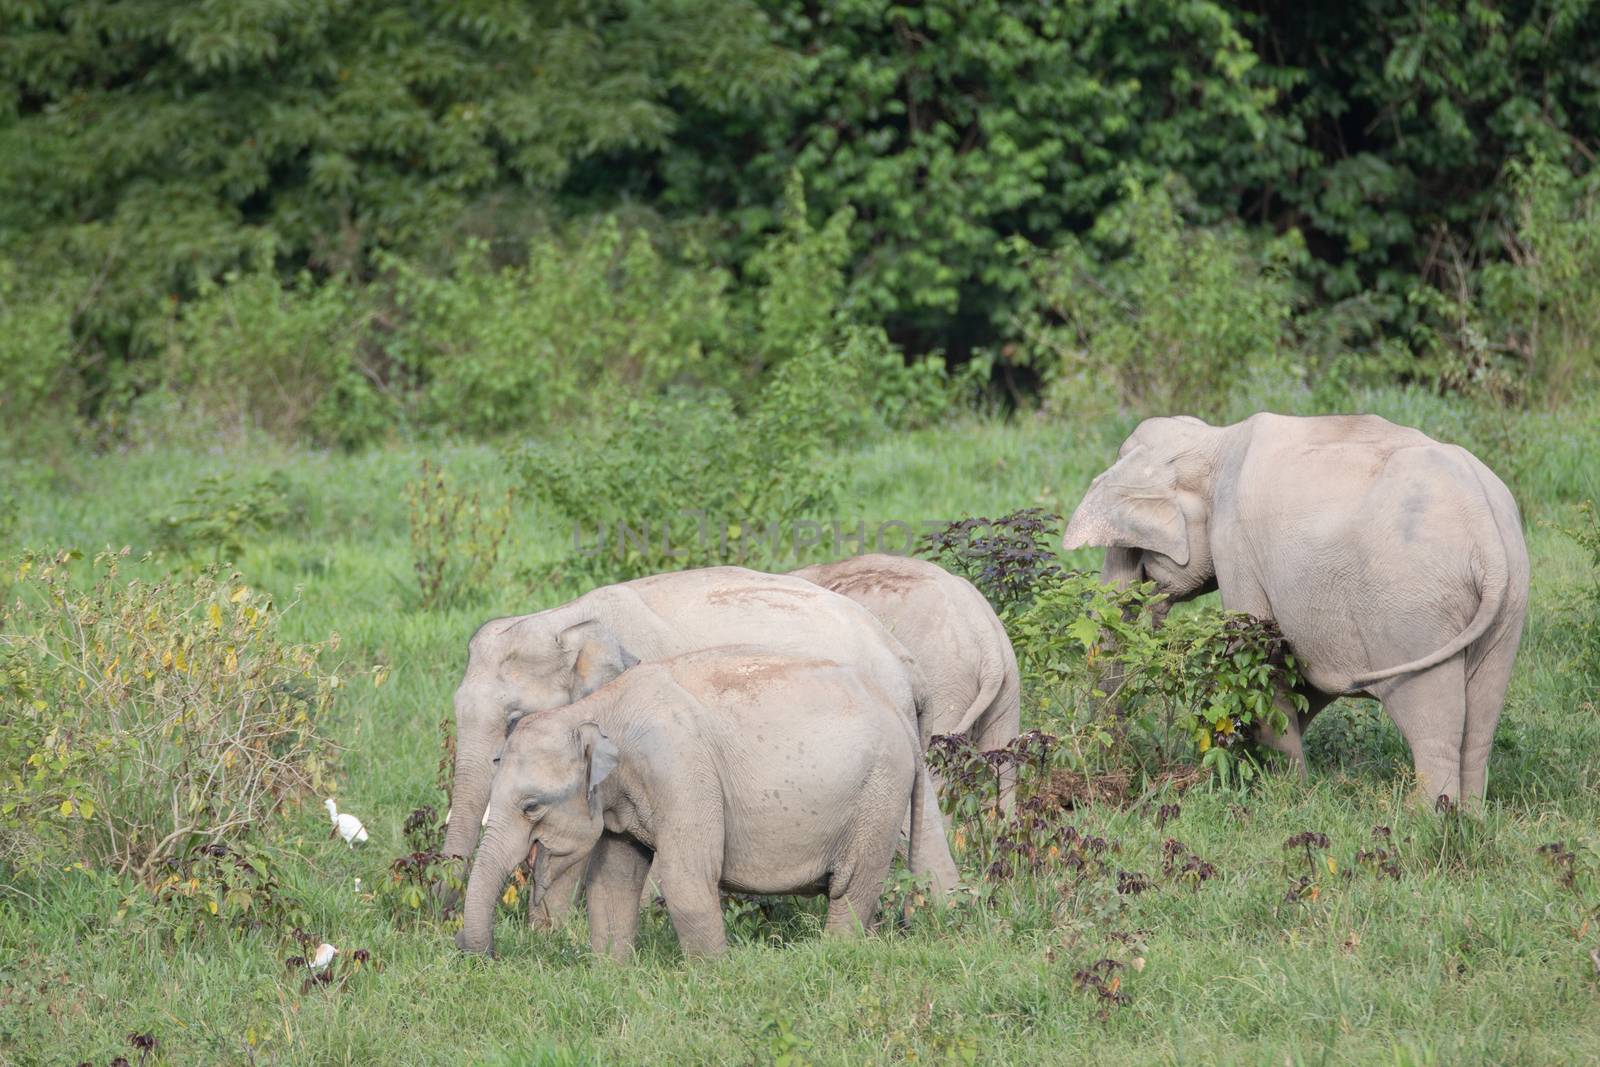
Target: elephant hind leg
[1486, 696]
[854, 893]
[997, 727]
[1430, 708]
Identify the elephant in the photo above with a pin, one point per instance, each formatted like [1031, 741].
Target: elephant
[529, 664]
[729, 769]
[949, 628]
[1394, 564]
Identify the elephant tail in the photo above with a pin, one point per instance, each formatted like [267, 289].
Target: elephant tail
[1494, 584]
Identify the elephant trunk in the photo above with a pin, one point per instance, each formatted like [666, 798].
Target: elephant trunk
[1121, 569]
[503, 848]
[469, 796]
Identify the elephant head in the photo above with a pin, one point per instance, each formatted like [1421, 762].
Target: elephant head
[515, 668]
[545, 798]
[1151, 509]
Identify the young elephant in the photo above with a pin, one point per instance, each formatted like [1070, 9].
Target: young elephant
[1394, 564]
[734, 769]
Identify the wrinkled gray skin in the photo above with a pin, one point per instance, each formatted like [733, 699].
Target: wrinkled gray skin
[731, 769]
[1394, 564]
[533, 663]
[949, 628]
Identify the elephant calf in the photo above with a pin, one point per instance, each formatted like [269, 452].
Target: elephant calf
[731, 769]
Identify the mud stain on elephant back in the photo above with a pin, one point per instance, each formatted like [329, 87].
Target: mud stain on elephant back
[791, 600]
[752, 678]
[866, 580]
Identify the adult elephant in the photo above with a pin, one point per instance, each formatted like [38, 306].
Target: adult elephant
[1394, 564]
[527, 664]
[949, 628]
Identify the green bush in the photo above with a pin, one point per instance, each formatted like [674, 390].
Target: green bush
[253, 354]
[1527, 328]
[1120, 686]
[687, 480]
[1582, 613]
[145, 721]
[40, 360]
[218, 512]
[590, 314]
[1178, 321]
[1544, 303]
[455, 538]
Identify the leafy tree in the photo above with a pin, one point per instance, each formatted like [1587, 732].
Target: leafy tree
[951, 124]
[1411, 112]
[151, 145]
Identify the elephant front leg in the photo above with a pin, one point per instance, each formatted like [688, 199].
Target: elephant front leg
[690, 870]
[1290, 741]
[558, 900]
[617, 872]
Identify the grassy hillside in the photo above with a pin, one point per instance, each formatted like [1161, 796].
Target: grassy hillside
[1475, 947]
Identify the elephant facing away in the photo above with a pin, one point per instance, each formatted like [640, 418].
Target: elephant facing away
[1394, 564]
[529, 664]
[963, 651]
[729, 769]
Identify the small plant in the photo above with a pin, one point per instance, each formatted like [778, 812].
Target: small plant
[455, 538]
[1306, 887]
[1009, 559]
[781, 1045]
[924, 1034]
[1103, 981]
[1383, 858]
[1124, 687]
[217, 514]
[222, 886]
[1182, 866]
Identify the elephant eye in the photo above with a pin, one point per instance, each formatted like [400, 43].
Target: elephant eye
[532, 808]
[511, 723]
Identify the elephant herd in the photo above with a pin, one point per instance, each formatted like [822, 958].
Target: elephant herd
[725, 729]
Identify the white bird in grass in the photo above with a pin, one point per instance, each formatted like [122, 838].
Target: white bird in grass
[324, 956]
[346, 825]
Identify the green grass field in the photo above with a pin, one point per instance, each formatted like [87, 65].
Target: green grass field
[1476, 953]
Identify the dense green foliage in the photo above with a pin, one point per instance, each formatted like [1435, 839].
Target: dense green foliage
[393, 217]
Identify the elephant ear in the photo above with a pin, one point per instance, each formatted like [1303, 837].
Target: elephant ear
[599, 755]
[594, 655]
[1132, 505]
